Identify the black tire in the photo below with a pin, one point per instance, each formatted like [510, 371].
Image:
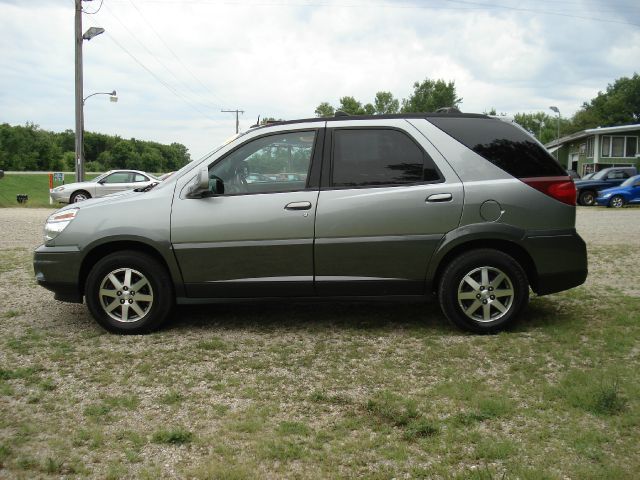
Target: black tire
[128, 320]
[588, 198]
[471, 265]
[617, 201]
[79, 196]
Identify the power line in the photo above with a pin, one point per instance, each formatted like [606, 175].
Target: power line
[368, 5]
[96, 11]
[174, 53]
[160, 62]
[159, 80]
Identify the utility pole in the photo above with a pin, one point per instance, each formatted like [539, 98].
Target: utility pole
[79, 93]
[237, 121]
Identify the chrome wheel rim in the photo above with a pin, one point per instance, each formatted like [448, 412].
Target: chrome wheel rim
[616, 202]
[485, 294]
[79, 197]
[126, 295]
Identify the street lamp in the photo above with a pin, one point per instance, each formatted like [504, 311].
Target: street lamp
[557, 110]
[79, 38]
[112, 96]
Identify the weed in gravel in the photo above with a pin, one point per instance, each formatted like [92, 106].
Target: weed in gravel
[420, 429]
[293, 428]
[173, 436]
[392, 408]
[11, 313]
[5, 452]
[172, 398]
[53, 465]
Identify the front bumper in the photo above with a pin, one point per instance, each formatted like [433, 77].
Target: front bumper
[603, 202]
[62, 196]
[560, 261]
[58, 269]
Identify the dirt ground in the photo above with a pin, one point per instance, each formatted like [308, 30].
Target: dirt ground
[252, 384]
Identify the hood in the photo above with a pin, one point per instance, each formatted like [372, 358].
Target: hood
[100, 200]
[610, 190]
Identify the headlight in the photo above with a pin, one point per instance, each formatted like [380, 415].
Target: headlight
[57, 222]
[606, 195]
[58, 189]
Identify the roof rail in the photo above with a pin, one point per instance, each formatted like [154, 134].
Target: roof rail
[448, 110]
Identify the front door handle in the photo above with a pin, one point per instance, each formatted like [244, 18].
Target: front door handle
[298, 206]
[439, 197]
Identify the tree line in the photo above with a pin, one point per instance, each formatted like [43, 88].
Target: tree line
[28, 147]
[619, 104]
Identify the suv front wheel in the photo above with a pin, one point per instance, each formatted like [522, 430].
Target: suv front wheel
[483, 290]
[129, 292]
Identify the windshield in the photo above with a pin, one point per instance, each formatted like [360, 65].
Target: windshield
[630, 181]
[600, 175]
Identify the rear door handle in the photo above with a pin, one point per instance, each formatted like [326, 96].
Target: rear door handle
[298, 206]
[439, 197]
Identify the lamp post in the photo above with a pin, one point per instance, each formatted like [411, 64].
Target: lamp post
[112, 96]
[79, 37]
[557, 110]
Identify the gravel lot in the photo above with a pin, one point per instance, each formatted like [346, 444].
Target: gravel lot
[243, 378]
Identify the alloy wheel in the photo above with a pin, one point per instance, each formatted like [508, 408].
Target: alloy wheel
[126, 295]
[485, 294]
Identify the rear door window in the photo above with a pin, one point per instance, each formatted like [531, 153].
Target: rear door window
[380, 156]
[504, 145]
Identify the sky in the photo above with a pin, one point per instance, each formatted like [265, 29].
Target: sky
[175, 64]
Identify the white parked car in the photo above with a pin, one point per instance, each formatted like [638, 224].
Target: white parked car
[113, 181]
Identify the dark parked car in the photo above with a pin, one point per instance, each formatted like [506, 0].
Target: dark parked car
[587, 190]
[464, 209]
[616, 197]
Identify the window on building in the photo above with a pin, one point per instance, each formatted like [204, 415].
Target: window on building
[619, 146]
[590, 147]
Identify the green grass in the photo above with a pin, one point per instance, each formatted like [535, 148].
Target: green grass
[324, 390]
[36, 186]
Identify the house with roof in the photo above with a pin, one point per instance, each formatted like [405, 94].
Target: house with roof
[593, 149]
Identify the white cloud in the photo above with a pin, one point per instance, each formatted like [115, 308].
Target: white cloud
[283, 58]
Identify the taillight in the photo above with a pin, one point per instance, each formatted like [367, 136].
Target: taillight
[561, 188]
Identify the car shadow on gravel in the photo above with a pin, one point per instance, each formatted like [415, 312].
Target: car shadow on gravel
[293, 316]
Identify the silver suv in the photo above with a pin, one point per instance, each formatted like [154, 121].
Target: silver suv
[465, 208]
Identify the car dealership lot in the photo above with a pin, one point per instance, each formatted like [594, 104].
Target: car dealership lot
[325, 390]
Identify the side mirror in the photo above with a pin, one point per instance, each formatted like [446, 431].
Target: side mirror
[200, 184]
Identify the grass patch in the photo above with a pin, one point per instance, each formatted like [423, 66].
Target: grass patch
[173, 436]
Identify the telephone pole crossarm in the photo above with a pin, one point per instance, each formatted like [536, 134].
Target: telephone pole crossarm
[237, 120]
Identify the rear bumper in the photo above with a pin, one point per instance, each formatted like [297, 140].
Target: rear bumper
[560, 261]
[58, 269]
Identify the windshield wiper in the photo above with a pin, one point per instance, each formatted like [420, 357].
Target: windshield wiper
[147, 188]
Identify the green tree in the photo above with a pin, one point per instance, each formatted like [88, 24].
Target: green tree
[431, 95]
[325, 110]
[351, 106]
[620, 104]
[386, 103]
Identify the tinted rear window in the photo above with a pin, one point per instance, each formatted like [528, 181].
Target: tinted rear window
[504, 145]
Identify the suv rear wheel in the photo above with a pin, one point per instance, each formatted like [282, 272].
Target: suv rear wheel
[129, 292]
[483, 290]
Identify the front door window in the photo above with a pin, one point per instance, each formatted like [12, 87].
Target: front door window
[276, 163]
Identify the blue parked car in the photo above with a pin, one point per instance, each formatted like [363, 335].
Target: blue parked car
[627, 192]
[607, 178]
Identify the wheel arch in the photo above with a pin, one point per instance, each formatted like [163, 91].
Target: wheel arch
[506, 241]
[108, 247]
